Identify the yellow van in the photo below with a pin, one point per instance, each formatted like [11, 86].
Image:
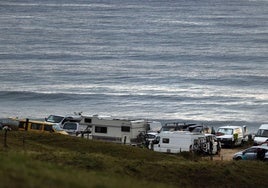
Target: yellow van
[39, 127]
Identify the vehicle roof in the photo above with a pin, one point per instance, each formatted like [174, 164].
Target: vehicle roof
[70, 122]
[230, 127]
[57, 115]
[260, 146]
[265, 126]
[118, 118]
[36, 121]
[67, 116]
[152, 133]
[180, 133]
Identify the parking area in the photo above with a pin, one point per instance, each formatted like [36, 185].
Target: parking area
[226, 154]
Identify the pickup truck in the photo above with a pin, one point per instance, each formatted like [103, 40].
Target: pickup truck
[60, 120]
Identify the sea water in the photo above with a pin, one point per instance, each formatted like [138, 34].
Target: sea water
[185, 60]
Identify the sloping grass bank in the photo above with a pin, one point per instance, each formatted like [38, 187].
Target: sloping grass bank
[47, 160]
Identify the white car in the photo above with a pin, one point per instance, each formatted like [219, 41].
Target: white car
[150, 138]
[252, 153]
[73, 128]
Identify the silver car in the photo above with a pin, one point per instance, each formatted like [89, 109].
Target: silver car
[252, 153]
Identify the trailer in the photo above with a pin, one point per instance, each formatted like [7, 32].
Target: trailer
[118, 130]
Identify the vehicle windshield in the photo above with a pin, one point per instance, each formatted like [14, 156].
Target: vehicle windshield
[262, 133]
[54, 119]
[70, 126]
[225, 131]
[150, 136]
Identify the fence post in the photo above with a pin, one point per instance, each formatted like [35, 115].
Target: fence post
[5, 136]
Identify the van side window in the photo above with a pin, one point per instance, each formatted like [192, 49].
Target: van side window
[100, 129]
[36, 126]
[48, 128]
[125, 129]
[265, 133]
[165, 140]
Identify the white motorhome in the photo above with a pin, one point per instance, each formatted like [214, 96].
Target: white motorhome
[231, 135]
[176, 141]
[117, 130]
[262, 134]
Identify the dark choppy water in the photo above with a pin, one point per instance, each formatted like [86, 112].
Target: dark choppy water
[193, 60]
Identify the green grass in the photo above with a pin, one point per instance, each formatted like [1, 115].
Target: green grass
[48, 160]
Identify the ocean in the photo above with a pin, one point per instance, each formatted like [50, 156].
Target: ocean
[167, 60]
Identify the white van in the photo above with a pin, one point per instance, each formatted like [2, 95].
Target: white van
[231, 135]
[175, 141]
[262, 135]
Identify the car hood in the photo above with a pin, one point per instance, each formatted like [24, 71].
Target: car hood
[225, 136]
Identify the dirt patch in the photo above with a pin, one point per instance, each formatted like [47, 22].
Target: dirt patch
[225, 155]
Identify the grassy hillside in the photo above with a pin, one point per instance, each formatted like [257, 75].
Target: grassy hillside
[48, 160]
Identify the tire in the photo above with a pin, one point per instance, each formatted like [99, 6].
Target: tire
[238, 158]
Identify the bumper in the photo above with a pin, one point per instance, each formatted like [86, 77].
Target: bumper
[226, 142]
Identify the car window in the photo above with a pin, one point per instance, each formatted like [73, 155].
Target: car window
[70, 126]
[48, 128]
[251, 150]
[262, 133]
[36, 126]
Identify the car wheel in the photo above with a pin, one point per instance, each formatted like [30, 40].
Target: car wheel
[238, 158]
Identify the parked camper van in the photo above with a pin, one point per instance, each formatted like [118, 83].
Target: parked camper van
[39, 127]
[119, 130]
[262, 135]
[231, 135]
[176, 141]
